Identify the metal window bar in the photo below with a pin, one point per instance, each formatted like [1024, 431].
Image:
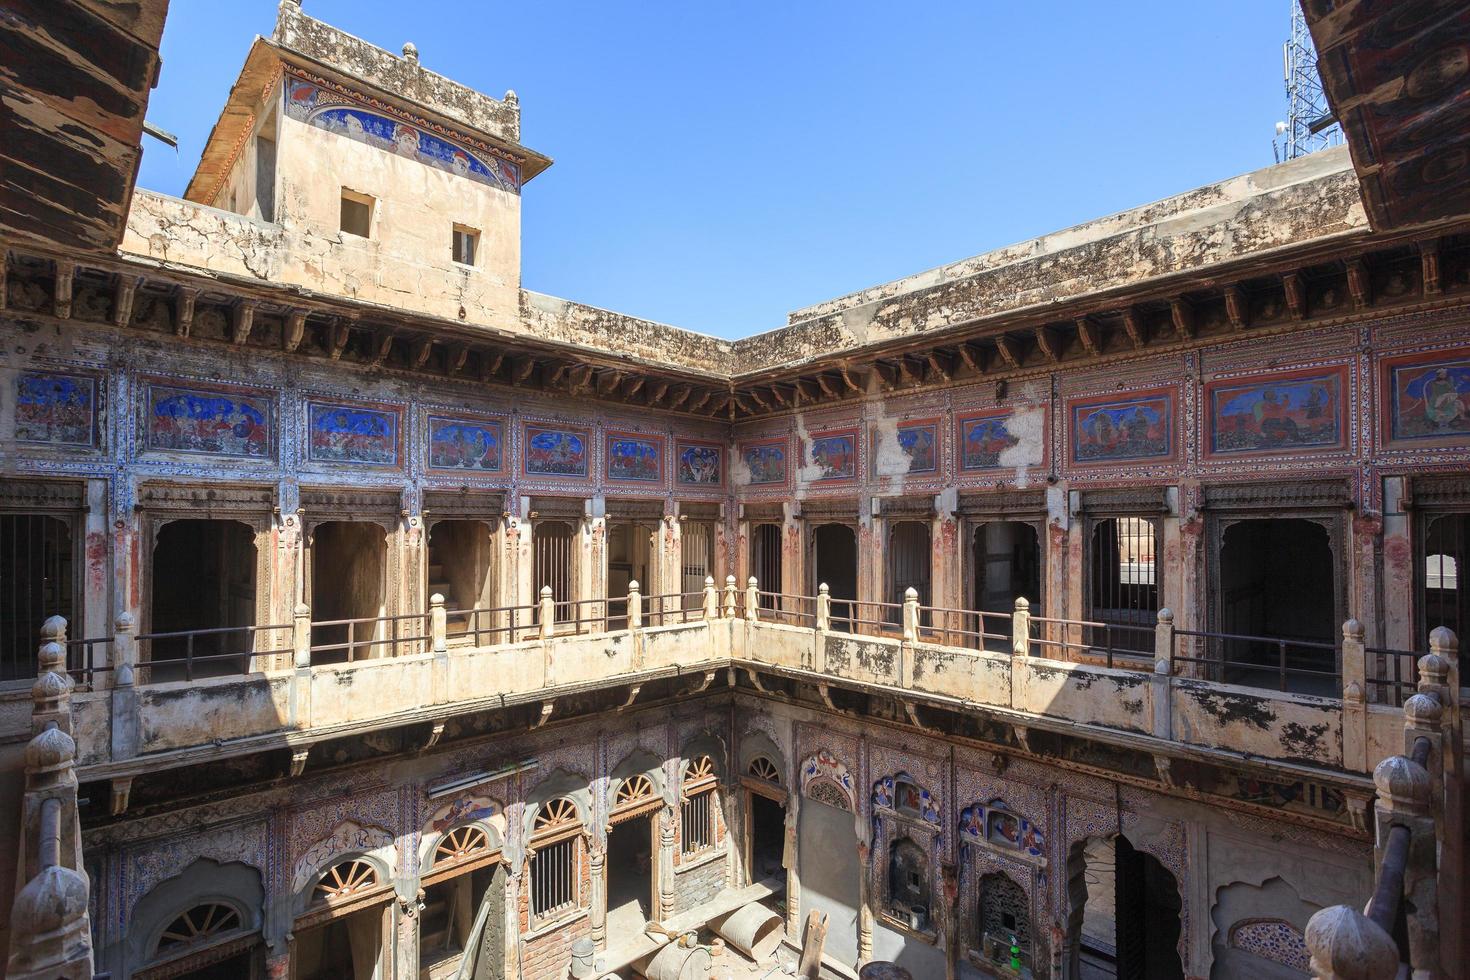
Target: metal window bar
[483, 625]
[193, 664]
[551, 559]
[553, 878]
[675, 607]
[766, 559]
[36, 581]
[697, 555]
[1125, 583]
[697, 833]
[399, 643]
[1249, 673]
[908, 566]
[792, 610]
[1392, 674]
[83, 661]
[977, 627]
[1077, 639]
[875, 618]
[1441, 598]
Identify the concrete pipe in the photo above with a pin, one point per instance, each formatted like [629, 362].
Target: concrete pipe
[674, 962]
[753, 929]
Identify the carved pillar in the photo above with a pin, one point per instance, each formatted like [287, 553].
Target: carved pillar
[598, 863]
[666, 863]
[96, 578]
[865, 909]
[1398, 568]
[790, 857]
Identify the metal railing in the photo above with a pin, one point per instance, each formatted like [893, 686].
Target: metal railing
[945, 623]
[363, 636]
[185, 655]
[1393, 675]
[481, 626]
[1080, 640]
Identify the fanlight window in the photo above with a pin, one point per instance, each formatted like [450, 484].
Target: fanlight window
[199, 925]
[346, 879]
[764, 769]
[461, 843]
[634, 789]
[554, 815]
[702, 769]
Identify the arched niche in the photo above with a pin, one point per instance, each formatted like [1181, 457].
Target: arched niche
[233, 885]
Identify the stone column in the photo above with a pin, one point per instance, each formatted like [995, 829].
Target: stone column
[1398, 568]
[96, 609]
[865, 904]
[790, 857]
[666, 863]
[597, 860]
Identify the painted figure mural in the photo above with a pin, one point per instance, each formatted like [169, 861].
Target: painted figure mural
[699, 465]
[835, 455]
[224, 421]
[1287, 412]
[920, 443]
[352, 434]
[1123, 429]
[983, 438]
[57, 409]
[766, 462]
[1429, 396]
[634, 459]
[556, 452]
[465, 444]
[338, 112]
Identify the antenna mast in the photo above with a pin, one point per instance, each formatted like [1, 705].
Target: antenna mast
[1309, 124]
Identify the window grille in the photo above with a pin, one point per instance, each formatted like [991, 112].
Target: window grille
[551, 564]
[1003, 918]
[1444, 545]
[697, 543]
[36, 567]
[346, 879]
[553, 878]
[1125, 580]
[765, 559]
[697, 822]
[634, 789]
[908, 565]
[199, 925]
[765, 770]
[461, 843]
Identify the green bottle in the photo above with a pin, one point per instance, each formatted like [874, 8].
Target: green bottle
[1015, 955]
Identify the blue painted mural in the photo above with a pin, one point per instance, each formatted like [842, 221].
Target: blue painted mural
[352, 434]
[1429, 397]
[983, 438]
[700, 464]
[466, 444]
[766, 462]
[1292, 411]
[56, 409]
[338, 113]
[634, 458]
[835, 455]
[1115, 430]
[221, 421]
[555, 452]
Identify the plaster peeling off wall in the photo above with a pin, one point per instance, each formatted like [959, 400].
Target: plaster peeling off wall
[739, 470]
[1027, 425]
[809, 471]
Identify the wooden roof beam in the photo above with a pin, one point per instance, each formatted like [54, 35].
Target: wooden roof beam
[1087, 334]
[295, 330]
[1291, 284]
[907, 373]
[1237, 307]
[972, 357]
[457, 357]
[1358, 285]
[184, 299]
[808, 390]
[855, 380]
[608, 381]
[657, 392]
[1045, 344]
[341, 333]
[632, 386]
[580, 378]
[490, 364]
[123, 294]
[827, 388]
[1133, 328]
[520, 369]
[421, 351]
[1429, 266]
[244, 321]
[703, 400]
[1007, 351]
[887, 373]
[385, 345]
[1181, 311]
[941, 363]
[681, 395]
[61, 295]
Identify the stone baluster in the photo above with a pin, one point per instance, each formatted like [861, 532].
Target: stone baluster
[1164, 640]
[301, 635]
[438, 623]
[300, 701]
[1404, 797]
[1021, 628]
[911, 615]
[635, 606]
[732, 592]
[711, 598]
[1444, 673]
[752, 599]
[824, 608]
[1354, 698]
[546, 613]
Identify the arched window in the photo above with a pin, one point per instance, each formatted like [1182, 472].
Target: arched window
[1125, 580]
[1005, 924]
[461, 843]
[198, 926]
[345, 879]
[632, 791]
[697, 813]
[554, 857]
[908, 564]
[765, 770]
[908, 883]
[553, 551]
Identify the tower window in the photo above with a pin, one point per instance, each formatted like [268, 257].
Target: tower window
[357, 214]
[466, 244]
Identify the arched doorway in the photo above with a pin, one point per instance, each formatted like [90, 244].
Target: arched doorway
[1007, 565]
[462, 925]
[340, 934]
[765, 820]
[348, 582]
[1277, 580]
[765, 561]
[835, 547]
[1115, 888]
[202, 578]
[909, 565]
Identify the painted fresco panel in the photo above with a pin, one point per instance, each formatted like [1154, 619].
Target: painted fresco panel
[1288, 412]
[699, 464]
[219, 420]
[835, 454]
[635, 458]
[356, 435]
[1427, 398]
[918, 440]
[463, 443]
[550, 450]
[765, 461]
[56, 409]
[983, 437]
[354, 116]
[1133, 428]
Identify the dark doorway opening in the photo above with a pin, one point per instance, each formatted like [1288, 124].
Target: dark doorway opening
[242, 966]
[1125, 583]
[909, 566]
[1007, 566]
[459, 570]
[1444, 545]
[1277, 582]
[765, 561]
[551, 564]
[36, 570]
[454, 918]
[629, 559]
[203, 578]
[767, 838]
[1147, 908]
[347, 582]
[630, 875]
[836, 567]
[348, 947]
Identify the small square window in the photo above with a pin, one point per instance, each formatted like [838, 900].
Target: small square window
[357, 214]
[466, 244]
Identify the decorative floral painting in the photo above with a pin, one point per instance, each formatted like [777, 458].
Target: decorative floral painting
[1428, 397]
[1291, 411]
[556, 451]
[1119, 430]
[224, 421]
[699, 464]
[835, 455]
[766, 462]
[919, 441]
[352, 434]
[466, 444]
[996, 824]
[633, 458]
[351, 115]
[56, 409]
[983, 438]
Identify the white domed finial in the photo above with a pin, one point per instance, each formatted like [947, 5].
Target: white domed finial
[410, 52]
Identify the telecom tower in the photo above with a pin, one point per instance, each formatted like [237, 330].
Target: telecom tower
[1309, 125]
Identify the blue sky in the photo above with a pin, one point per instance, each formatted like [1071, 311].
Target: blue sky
[718, 164]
